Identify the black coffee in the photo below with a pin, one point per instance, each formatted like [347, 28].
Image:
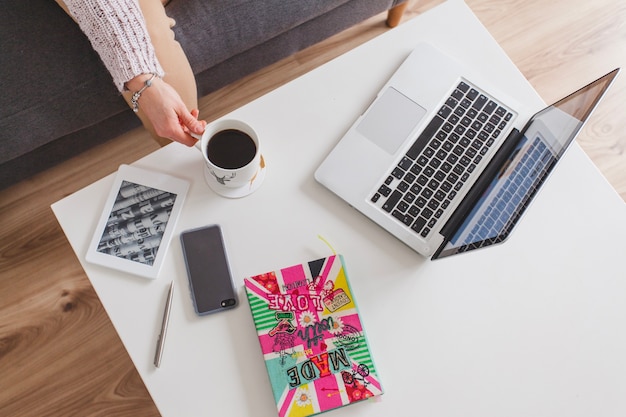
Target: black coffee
[231, 149]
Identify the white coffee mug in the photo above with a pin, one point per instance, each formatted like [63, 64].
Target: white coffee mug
[234, 166]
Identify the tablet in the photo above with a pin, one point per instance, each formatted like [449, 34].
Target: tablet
[137, 222]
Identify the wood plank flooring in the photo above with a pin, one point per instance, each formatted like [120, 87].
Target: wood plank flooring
[59, 353]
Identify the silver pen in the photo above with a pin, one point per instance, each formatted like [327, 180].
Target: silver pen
[166, 319]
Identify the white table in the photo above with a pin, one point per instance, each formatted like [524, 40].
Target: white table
[532, 327]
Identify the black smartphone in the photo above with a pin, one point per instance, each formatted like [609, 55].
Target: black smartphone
[208, 270]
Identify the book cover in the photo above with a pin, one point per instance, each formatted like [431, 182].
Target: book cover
[313, 343]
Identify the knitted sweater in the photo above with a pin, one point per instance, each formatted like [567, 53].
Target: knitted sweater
[117, 32]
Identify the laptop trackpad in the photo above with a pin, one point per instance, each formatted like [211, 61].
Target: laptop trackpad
[390, 120]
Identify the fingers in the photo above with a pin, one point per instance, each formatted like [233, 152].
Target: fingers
[190, 121]
[185, 138]
[195, 113]
[180, 128]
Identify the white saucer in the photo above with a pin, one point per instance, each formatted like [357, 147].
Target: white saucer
[239, 192]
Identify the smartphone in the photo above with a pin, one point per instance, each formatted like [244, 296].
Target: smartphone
[208, 270]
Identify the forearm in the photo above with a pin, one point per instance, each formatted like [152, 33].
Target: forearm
[117, 32]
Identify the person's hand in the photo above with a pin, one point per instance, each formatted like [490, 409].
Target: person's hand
[164, 108]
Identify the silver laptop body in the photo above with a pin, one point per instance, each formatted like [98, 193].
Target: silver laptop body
[411, 160]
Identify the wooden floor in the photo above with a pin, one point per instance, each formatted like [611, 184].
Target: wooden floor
[59, 353]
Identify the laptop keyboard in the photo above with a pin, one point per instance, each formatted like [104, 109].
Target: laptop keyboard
[436, 167]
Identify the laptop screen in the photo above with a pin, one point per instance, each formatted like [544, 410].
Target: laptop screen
[539, 146]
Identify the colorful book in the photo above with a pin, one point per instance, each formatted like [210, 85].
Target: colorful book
[315, 349]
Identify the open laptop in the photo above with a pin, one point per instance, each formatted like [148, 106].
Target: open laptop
[446, 163]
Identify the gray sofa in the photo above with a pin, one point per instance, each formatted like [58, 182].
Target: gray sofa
[57, 99]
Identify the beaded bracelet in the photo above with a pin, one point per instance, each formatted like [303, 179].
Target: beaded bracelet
[134, 100]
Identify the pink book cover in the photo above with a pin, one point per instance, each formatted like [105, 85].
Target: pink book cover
[313, 343]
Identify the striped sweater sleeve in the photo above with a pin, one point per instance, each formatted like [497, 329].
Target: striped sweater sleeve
[117, 32]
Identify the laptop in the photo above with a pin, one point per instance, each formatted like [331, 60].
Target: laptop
[446, 163]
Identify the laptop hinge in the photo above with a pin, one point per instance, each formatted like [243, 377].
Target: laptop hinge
[480, 186]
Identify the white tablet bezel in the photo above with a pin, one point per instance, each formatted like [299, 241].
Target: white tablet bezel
[154, 181]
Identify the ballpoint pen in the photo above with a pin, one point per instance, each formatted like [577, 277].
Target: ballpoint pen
[166, 319]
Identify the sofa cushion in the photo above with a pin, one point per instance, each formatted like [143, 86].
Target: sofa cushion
[243, 24]
[287, 43]
[52, 89]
